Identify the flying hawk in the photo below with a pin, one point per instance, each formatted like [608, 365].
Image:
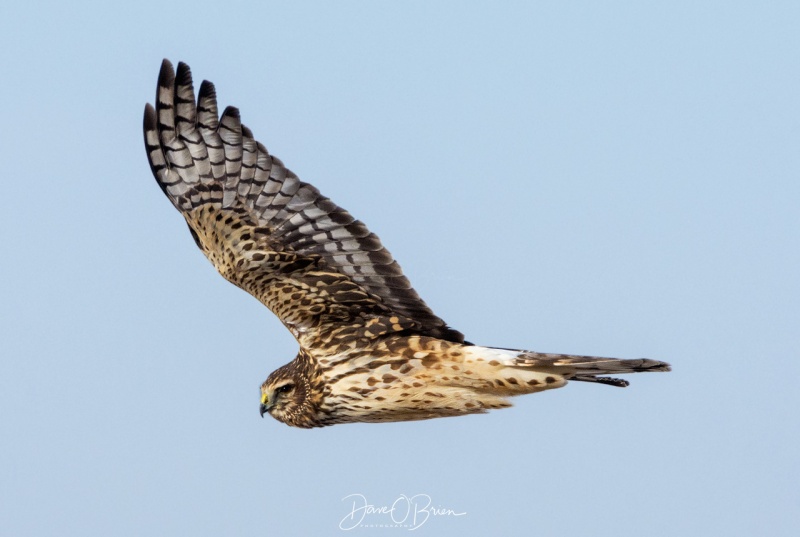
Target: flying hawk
[370, 349]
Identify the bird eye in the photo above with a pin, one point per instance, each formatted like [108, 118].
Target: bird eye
[286, 388]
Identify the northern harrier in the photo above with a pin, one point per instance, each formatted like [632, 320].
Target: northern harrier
[370, 349]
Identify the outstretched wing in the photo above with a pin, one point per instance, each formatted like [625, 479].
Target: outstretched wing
[322, 272]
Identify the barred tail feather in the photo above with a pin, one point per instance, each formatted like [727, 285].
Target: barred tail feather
[588, 368]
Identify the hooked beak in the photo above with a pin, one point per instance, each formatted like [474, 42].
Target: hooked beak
[266, 404]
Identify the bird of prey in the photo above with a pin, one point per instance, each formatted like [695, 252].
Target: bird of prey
[370, 349]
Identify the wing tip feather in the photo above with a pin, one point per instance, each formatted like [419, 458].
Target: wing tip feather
[166, 76]
[149, 120]
[207, 90]
[183, 75]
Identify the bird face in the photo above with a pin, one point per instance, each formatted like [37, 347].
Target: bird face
[277, 399]
[293, 393]
[284, 395]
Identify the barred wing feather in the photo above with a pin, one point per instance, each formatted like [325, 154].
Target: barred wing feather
[318, 268]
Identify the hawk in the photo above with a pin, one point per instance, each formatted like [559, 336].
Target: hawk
[370, 349]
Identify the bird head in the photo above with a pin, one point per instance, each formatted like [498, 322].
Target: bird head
[286, 396]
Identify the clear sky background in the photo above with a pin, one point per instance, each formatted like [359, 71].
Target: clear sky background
[611, 178]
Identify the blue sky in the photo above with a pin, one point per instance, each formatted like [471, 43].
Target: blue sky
[616, 178]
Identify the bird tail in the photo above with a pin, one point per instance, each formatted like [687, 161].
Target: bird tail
[588, 368]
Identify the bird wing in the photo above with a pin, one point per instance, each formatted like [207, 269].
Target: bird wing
[321, 271]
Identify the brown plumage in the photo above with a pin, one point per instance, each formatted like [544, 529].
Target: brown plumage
[370, 349]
